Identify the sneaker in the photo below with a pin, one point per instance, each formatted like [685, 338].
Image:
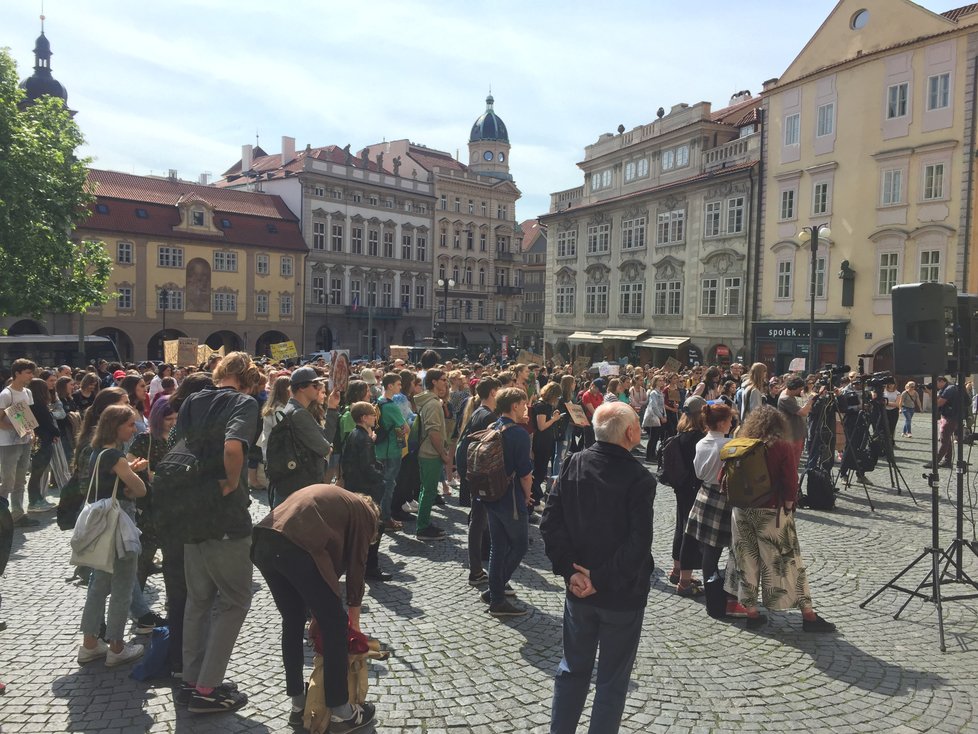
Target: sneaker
[754, 623]
[478, 579]
[375, 574]
[539, 507]
[430, 533]
[440, 500]
[87, 655]
[817, 625]
[363, 715]
[221, 699]
[25, 522]
[736, 609]
[147, 623]
[186, 691]
[41, 505]
[414, 506]
[506, 609]
[128, 654]
[296, 717]
[508, 590]
[406, 508]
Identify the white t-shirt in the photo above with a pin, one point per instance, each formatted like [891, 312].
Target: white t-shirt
[9, 397]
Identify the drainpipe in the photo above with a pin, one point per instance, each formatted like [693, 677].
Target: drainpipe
[969, 198]
[761, 114]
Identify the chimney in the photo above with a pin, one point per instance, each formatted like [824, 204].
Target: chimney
[172, 175]
[245, 158]
[288, 149]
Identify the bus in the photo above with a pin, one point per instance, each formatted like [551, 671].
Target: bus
[56, 349]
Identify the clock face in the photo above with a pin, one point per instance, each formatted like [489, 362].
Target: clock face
[487, 155]
[502, 157]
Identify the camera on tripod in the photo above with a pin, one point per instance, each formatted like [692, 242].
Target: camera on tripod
[829, 373]
[877, 379]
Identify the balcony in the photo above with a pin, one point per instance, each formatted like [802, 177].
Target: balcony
[736, 151]
[379, 313]
[506, 256]
[509, 290]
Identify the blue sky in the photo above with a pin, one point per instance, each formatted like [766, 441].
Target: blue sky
[182, 84]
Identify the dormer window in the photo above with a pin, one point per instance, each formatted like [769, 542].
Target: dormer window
[197, 217]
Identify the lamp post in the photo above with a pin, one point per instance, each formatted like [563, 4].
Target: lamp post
[165, 298]
[811, 234]
[446, 283]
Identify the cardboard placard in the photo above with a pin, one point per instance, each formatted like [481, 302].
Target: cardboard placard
[577, 415]
[581, 364]
[283, 351]
[181, 352]
[398, 352]
[339, 371]
[22, 418]
[525, 357]
[204, 352]
[797, 365]
[672, 365]
[607, 370]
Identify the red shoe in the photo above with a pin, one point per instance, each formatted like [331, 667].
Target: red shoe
[736, 609]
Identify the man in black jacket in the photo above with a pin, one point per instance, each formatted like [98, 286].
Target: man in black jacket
[362, 472]
[597, 531]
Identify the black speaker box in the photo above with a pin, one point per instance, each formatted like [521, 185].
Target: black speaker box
[924, 319]
[968, 331]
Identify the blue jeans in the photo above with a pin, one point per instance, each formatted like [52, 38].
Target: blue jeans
[391, 468]
[508, 542]
[585, 629]
[118, 588]
[558, 458]
[907, 419]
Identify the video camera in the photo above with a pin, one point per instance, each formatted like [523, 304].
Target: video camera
[829, 373]
[877, 379]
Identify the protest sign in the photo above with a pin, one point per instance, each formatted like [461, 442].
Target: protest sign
[283, 351]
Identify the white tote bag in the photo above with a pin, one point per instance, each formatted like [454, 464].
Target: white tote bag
[96, 552]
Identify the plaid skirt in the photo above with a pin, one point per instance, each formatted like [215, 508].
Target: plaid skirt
[709, 520]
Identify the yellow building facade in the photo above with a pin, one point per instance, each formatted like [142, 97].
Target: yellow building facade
[869, 133]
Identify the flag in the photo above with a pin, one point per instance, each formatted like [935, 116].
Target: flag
[356, 302]
[406, 304]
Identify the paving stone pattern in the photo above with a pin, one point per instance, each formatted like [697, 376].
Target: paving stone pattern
[454, 668]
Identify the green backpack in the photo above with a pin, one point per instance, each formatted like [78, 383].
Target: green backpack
[744, 477]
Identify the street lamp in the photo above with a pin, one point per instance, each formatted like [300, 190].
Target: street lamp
[811, 235]
[165, 298]
[446, 283]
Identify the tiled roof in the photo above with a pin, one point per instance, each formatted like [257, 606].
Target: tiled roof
[270, 166]
[158, 190]
[259, 220]
[960, 12]
[708, 176]
[531, 230]
[742, 113]
[428, 159]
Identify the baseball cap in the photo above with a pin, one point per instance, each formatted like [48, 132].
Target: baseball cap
[305, 374]
[795, 382]
[118, 375]
[694, 404]
[600, 383]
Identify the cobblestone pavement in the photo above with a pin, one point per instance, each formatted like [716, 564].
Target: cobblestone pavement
[455, 668]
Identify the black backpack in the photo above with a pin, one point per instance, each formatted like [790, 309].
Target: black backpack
[382, 432]
[288, 464]
[185, 493]
[674, 472]
[819, 493]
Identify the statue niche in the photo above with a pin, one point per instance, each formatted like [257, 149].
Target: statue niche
[198, 286]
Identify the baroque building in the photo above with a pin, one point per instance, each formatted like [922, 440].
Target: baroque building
[650, 257]
[534, 249]
[367, 281]
[870, 132]
[476, 239]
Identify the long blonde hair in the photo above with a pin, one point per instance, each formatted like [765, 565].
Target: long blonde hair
[109, 423]
[279, 395]
[755, 377]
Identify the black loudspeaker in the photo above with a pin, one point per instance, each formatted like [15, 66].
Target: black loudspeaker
[924, 320]
[968, 331]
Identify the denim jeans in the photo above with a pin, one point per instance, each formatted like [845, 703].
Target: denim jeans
[908, 420]
[478, 521]
[558, 457]
[391, 469]
[14, 461]
[585, 629]
[118, 587]
[508, 542]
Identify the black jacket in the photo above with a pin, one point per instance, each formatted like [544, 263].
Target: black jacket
[599, 516]
[361, 471]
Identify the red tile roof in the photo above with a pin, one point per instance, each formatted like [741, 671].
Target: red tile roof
[960, 12]
[742, 113]
[428, 159]
[252, 217]
[270, 166]
[531, 229]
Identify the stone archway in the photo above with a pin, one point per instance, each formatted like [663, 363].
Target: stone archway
[264, 342]
[324, 339]
[121, 340]
[154, 347]
[408, 338]
[26, 327]
[224, 338]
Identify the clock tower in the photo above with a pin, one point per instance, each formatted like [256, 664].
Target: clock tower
[489, 145]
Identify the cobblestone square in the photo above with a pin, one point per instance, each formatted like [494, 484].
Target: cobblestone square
[454, 668]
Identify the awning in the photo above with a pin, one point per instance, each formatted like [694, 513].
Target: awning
[584, 337]
[623, 334]
[477, 336]
[664, 342]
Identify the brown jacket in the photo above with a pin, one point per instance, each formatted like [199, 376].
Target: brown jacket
[333, 526]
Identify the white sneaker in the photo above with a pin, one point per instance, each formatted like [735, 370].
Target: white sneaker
[127, 655]
[414, 506]
[406, 507]
[539, 507]
[87, 655]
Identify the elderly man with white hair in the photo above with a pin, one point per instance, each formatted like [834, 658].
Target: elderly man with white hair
[597, 529]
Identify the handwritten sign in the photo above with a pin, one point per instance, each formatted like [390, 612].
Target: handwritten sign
[577, 416]
[398, 352]
[204, 352]
[525, 357]
[182, 351]
[581, 364]
[283, 350]
[797, 365]
[672, 365]
[21, 418]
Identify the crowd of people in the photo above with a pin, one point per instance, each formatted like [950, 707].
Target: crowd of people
[346, 458]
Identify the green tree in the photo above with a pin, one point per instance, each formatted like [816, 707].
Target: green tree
[43, 197]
